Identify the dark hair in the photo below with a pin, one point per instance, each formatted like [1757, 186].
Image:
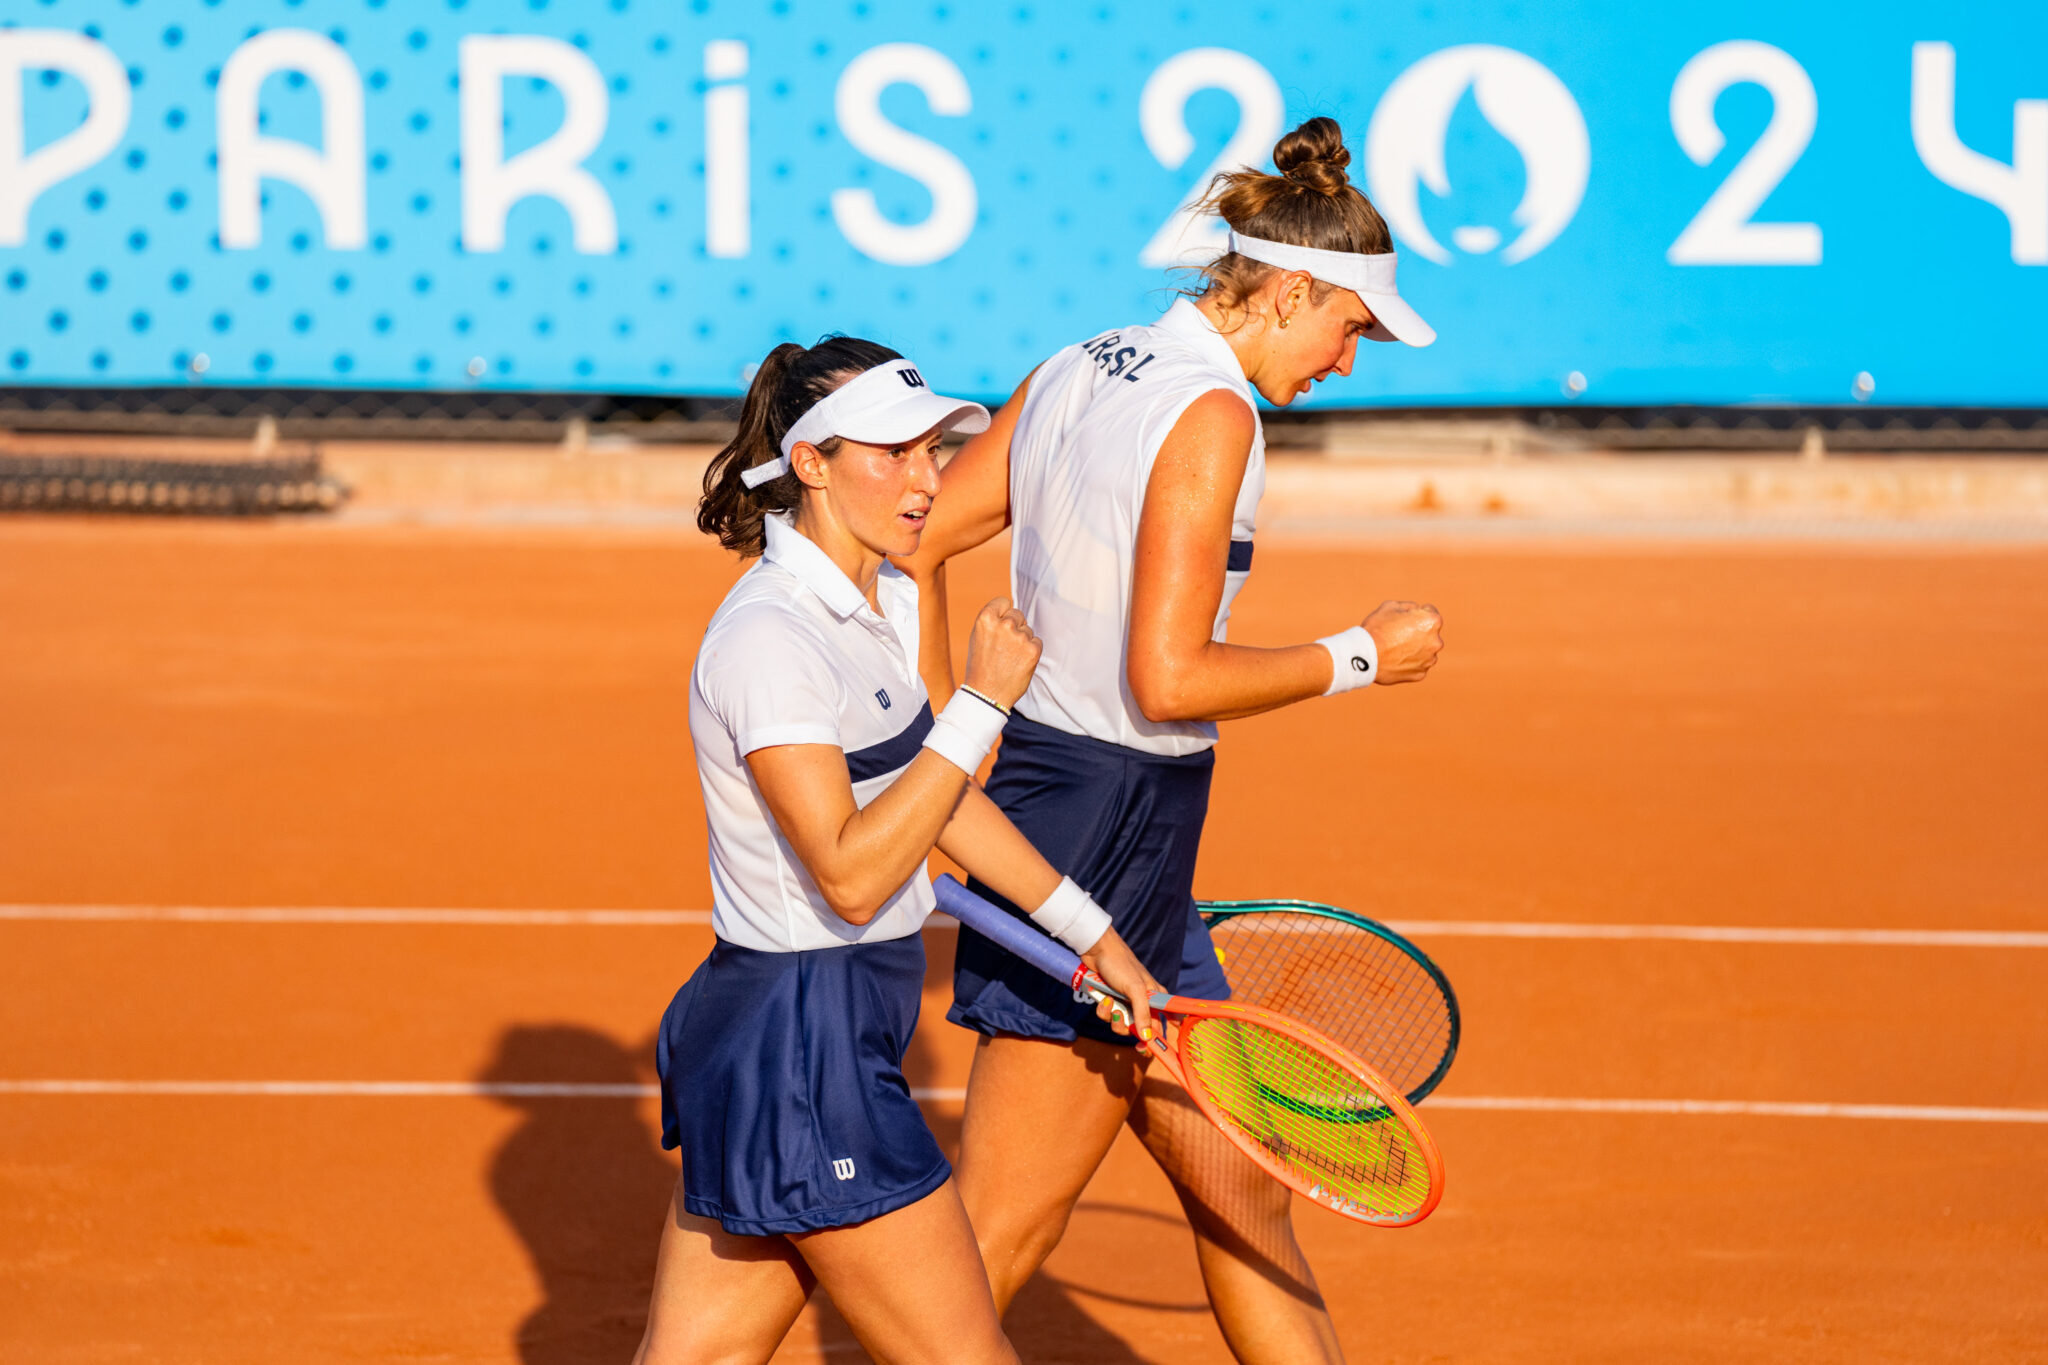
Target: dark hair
[1310, 203]
[789, 381]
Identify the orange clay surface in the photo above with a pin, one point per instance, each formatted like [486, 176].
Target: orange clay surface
[337, 715]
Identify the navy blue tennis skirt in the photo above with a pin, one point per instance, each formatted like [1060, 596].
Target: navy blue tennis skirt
[782, 1082]
[1125, 825]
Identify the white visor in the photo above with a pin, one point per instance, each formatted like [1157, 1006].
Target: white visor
[1369, 277]
[885, 406]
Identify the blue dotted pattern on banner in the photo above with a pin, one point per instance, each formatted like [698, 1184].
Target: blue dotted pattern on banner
[127, 277]
[122, 278]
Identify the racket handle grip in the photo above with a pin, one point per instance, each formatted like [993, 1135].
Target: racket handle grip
[1007, 931]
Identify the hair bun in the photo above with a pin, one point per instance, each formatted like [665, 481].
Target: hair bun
[1310, 203]
[1315, 155]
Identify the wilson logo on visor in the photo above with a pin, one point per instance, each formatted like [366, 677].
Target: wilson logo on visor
[912, 378]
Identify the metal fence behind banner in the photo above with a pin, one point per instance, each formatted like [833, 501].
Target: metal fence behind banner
[412, 415]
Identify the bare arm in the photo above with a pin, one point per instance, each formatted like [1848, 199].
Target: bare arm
[981, 839]
[973, 506]
[858, 855]
[1177, 671]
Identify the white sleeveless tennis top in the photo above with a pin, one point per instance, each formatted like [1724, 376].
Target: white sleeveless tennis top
[1090, 428]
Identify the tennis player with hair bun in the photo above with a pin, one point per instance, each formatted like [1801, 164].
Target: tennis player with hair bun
[1130, 467]
[827, 781]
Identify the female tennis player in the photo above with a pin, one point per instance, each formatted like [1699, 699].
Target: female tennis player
[1130, 467]
[827, 781]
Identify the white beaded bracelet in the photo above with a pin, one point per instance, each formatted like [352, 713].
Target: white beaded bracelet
[983, 696]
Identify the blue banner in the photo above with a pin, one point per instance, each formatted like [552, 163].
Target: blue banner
[1597, 201]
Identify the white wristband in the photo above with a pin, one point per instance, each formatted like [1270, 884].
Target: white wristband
[1355, 659]
[965, 731]
[1070, 916]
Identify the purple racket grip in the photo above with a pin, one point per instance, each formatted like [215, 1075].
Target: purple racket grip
[1008, 932]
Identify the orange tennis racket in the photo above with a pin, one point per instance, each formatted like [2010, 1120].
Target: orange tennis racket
[1305, 1108]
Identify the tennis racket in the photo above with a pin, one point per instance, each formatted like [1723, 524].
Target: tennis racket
[1351, 977]
[1301, 1105]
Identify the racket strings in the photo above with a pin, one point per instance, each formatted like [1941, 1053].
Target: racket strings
[1363, 990]
[1324, 1122]
[1306, 960]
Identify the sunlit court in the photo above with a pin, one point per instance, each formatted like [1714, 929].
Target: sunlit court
[755, 682]
[322, 841]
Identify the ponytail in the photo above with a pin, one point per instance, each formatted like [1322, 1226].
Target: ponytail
[730, 510]
[790, 381]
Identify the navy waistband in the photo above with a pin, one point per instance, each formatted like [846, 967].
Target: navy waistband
[732, 957]
[1033, 734]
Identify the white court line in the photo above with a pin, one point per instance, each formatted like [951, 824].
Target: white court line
[541, 1090]
[320, 914]
[1436, 928]
[569, 1090]
[1711, 933]
[1769, 1108]
[547, 1090]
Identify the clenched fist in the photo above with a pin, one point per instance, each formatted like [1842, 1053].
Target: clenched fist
[1409, 635]
[1002, 653]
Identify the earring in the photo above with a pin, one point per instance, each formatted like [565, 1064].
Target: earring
[1283, 320]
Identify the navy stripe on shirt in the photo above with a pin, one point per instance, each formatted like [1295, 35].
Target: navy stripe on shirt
[1240, 556]
[879, 760]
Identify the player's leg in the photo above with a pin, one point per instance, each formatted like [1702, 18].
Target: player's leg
[1040, 1117]
[1261, 1288]
[910, 1285]
[719, 1298]
[1259, 1283]
[1043, 1104]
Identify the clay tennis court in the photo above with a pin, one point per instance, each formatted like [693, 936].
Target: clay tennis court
[291, 719]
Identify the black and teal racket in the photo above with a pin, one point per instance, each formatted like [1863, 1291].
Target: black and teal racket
[1350, 977]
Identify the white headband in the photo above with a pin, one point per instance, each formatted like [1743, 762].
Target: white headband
[1370, 276]
[886, 404]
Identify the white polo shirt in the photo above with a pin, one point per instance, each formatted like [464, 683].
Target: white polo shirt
[1080, 459]
[795, 655]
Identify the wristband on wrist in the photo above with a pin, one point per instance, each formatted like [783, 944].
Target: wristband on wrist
[977, 692]
[965, 731]
[1354, 657]
[1070, 916]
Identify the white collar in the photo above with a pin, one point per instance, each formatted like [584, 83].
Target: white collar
[1192, 325]
[792, 550]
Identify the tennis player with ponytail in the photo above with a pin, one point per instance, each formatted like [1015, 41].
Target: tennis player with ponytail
[1130, 467]
[827, 781]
